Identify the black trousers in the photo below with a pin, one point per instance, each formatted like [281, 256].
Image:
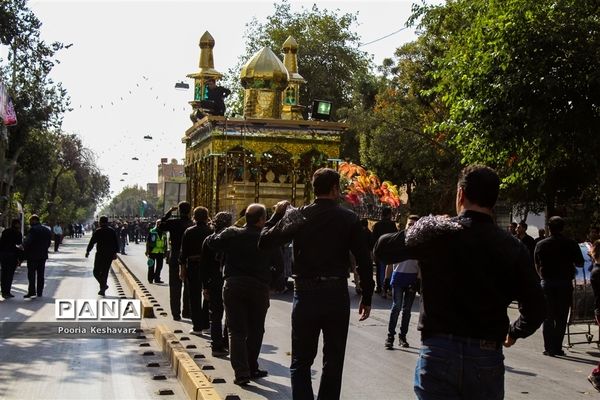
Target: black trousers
[246, 302]
[57, 241]
[154, 271]
[322, 308]
[175, 288]
[101, 270]
[199, 306]
[558, 301]
[216, 314]
[35, 274]
[9, 265]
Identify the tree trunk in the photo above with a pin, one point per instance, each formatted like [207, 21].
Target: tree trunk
[53, 190]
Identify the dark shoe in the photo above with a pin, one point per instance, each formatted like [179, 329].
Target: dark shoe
[150, 281]
[101, 293]
[158, 281]
[595, 381]
[186, 315]
[29, 295]
[559, 353]
[241, 381]
[8, 296]
[195, 332]
[176, 318]
[402, 341]
[219, 352]
[389, 342]
[549, 353]
[259, 373]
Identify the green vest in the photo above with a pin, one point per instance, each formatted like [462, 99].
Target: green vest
[158, 241]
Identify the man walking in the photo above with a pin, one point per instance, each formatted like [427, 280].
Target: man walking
[404, 288]
[106, 251]
[176, 227]
[155, 251]
[247, 274]
[323, 234]
[386, 225]
[556, 258]
[527, 240]
[471, 271]
[191, 269]
[36, 247]
[58, 235]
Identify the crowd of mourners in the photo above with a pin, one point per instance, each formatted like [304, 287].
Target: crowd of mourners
[221, 272]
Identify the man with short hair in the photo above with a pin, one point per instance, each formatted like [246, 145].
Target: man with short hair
[176, 227]
[36, 246]
[471, 271]
[556, 258]
[156, 244]
[106, 251]
[385, 225]
[58, 235]
[324, 234]
[192, 272]
[527, 240]
[247, 273]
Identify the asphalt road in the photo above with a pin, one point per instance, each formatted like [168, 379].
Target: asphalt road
[371, 371]
[113, 369]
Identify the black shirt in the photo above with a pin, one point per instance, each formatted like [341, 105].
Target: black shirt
[382, 227]
[322, 243]
[556, 258]
[9, 241]
[192, 240]
[242, 255]
[471, 271]
[107, 242]
[595, 281]
[175, 227]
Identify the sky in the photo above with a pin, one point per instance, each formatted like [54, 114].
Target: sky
[127, 56]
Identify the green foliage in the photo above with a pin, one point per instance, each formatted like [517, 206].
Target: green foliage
[127, 203]
[521, 81]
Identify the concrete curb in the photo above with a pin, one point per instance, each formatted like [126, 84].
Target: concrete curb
[135, 287]
[195, 383]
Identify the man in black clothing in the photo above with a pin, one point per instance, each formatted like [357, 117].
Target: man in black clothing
[527, 240]
[191, 268]
[215, 99]
[247, 274]
[471, 271]
[36, 251]
[176, 227]
[107, 245]
[386, 225]
[11, 246]
[324, 234]
[212, 262]
[556, 258]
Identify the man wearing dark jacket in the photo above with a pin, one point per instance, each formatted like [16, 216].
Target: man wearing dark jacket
[471, 271]
[556, 258]
[324, 234]
[36, 251]
[386, 225]
[247, 275]
[176, 227]
[107, 246]
[11, 245]
[191, 269]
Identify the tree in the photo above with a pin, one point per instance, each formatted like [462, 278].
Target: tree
[38, 101]
[128, 202]
[521, 81]
[328, 54]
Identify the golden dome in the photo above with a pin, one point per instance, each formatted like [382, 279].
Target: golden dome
[264, 65]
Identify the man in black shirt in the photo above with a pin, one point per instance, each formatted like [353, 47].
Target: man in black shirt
[176, 227]
[215, 99]
[106, 251]
[191, 269]
[11, 246]
[324, 234]
[36, 251]
[471, 271]
[247, 275]
[386, 225]
[527, 240]
[556, 258]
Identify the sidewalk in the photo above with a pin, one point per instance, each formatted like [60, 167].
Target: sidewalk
[70, 368]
